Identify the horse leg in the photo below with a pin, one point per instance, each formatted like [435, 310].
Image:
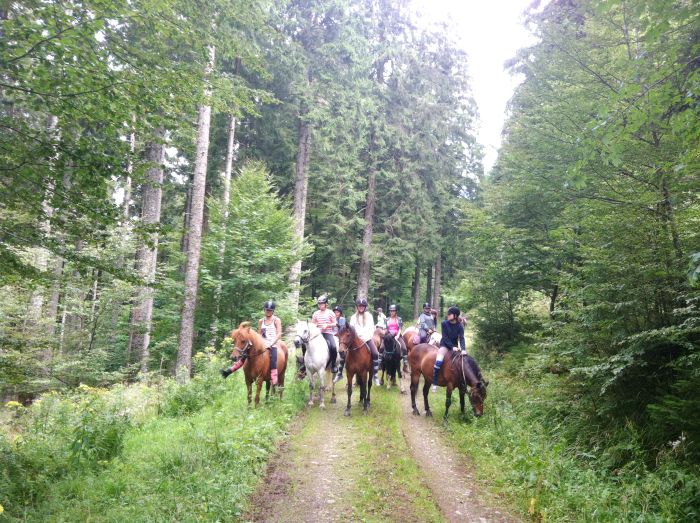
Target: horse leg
[461, 401]
[267, 391]
[347, 408]
[257, 391]
[448, 400]
[414, 390]
[364, 394]
[311, 387]
[426, 390]
[369, 387]
[330, 377]
[321, 389]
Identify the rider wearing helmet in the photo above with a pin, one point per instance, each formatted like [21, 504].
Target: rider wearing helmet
[338, 310]
[394, 324]
[381, 319]
[326, 321]
[426, 323]
[452, 334]
[270, 328]
[363, 322]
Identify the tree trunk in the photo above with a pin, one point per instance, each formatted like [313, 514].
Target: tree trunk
[147, 253]
[129, 171]
[363, 276]
[553, 300]
[416, 290]
[226, 200]
[184, 353]
[437, 285]
[429, 284]
[301, 184]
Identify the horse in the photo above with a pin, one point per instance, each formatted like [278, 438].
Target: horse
[249, 345]
[411, 338]
[391, 361]
[458, 372]
[358, 362]
[316, 359]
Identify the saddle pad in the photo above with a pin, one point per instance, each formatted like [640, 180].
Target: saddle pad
[416, 339]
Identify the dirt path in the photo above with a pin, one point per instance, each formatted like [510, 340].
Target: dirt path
[387, 466]
[447, 474]
[301, 482]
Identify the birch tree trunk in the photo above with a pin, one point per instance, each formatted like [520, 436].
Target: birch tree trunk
[437, 286]
[129, 171]
[184, 353]
[301, 184]
[226, 199]
[147, 253]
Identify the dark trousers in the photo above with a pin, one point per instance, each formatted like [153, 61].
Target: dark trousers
[330, 341]
[273, 357]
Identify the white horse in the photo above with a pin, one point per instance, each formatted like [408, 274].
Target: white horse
[315, 360]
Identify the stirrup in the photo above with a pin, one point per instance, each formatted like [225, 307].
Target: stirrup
[433, 388]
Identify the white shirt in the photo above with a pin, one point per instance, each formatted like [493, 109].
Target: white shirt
[365, 326]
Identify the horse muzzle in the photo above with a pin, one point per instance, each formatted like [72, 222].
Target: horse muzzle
[297, 341]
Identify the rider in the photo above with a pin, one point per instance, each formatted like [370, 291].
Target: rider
[338, 310]
[381, 319]
[363, 323]
[394, 324]
[426, 323]
[326, 321]
[270, 328]
[452, 333]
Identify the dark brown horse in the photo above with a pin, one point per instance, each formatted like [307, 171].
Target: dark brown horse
[391, 354]
[358, 362]
[249, 345]
[457, 372]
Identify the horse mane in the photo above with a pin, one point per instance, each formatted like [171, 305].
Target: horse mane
[466, 368]
[251, 335]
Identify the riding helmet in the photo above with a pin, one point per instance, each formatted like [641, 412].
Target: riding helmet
[338, 308]
[393, 307]
[322, 299]
[361, 302]
[426, 305]
[454, 310]
[269, 305]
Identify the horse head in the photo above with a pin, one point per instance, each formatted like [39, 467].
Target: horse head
[389, 344]
[242, 339]
[473, 380]
[346, 335]
[477, 396]
[303, 333]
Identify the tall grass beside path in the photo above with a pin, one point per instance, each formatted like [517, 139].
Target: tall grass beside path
[166, 452]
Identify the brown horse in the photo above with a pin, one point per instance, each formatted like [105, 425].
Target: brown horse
[457, 372]
[358, 362]
[410, 335]
[250, 345]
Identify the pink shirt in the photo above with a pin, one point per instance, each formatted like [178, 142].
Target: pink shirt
[324, 320]
[393, 325]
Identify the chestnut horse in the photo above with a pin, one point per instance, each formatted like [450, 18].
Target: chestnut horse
[458, 372]
[250, 345]
[412, 338]
[358, 362]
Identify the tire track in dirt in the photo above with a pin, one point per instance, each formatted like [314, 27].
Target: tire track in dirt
[446, 472]
[302, 482]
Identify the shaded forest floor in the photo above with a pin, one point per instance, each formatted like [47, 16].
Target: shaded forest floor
[386, 466]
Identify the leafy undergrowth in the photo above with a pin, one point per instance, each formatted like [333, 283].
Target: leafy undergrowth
[520, 451]
[388, 482]
[165, 452]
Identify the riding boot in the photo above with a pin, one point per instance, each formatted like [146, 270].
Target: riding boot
[225, 373]
[436, 373]
[334, 358]
[375, 369]
[339, 375]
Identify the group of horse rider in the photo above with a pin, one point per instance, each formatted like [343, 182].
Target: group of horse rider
[331, 321]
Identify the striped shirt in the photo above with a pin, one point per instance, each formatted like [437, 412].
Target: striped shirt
[324, 320]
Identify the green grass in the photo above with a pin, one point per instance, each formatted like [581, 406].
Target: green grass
[520, 453]
[197, 460]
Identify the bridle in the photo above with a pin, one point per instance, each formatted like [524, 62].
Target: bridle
[244, 352]
[351, 348]
[304, 341]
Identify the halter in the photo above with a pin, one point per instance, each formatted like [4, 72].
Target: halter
[245, 350]
[306, 340]
[351, 348]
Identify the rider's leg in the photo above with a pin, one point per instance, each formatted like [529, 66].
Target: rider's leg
[273, 365]
[339, 375]
[438, 363]
[333, 350]
[423, 335]
[375, 361]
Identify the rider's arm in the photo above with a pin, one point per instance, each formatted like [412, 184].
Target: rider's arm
[446, 341]
[461, 338]
[421, 323]
[278, 328]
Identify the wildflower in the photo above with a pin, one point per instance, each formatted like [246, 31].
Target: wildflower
[2, 509]
[13, 404]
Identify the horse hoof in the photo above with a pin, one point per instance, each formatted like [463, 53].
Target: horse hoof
[347, 412]
[403, 391]
[416, 412]
[333, 400]
[428, 414]
[322, 406]
[388, 386]
[310, 404]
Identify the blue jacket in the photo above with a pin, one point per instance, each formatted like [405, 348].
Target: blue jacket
[451, 334]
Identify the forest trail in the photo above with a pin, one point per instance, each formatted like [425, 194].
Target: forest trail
[386, 466]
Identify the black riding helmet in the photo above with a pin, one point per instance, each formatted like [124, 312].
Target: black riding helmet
[426, 305]
[361, 302]
[338, 308]
[454, 310]
[269, 305]
[393, 307]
